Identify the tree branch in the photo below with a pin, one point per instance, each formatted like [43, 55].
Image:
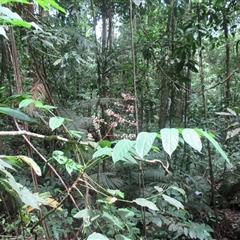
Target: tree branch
[47, 138]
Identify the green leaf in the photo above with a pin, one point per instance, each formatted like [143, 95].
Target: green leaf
[185, 231]
[216, 145]
[70, 166]
[179, 190]
[10, 15]
[97, 236]
[125, 213]
[3, 32]
[191, 137]
[159, 189]
[58, 61]
[170, 138]
[103, 152]
[105, 143]
[173, 201]
[85, 213]
[33, 24]
[116, 193]
[26, 102]
[47, 43]
[144, 143]
[59, 157]
[146, 203]
[192, 233]
[137, 2]
[55, 122]
[112, 219]
[130, 159]
[32, 164]
[28, 197]
[16, 113]
[121, 150]
[5, 164]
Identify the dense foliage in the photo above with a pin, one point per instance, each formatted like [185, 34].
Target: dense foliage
[119, 119]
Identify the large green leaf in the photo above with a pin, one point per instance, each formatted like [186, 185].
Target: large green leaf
[97, 236]
[173, 201]
[47, 4]
[7, 16]
[215, 144]
[170, 138]
[121, 150]
[103, 152]
[144, 143]
[55, 122]
[32, 164]
[192, 138]
[16, 113]
[146, 203]
[5, 164]
[84, 213]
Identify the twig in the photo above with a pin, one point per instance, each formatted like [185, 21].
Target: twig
[62, 201]
[36, 135]
[155, 161]
[51, 167]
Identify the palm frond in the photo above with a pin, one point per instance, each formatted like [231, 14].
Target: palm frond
[107, 180]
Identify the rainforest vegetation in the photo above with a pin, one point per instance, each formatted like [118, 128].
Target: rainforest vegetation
[119, 119]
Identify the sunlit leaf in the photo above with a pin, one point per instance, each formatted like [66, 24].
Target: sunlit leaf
[144, 143]
[192, 138]
[116, 193]
[173, 201]
[32, 164]
[47, 43]
[159, 189]
[146, 203]
[111, 199]
[7, 12]
[55, 122]
[47, 201]
[5, 164]
[85, 213]
[178, 189]
[121, 150]
[97, 236]
[137, 2]
[103, 152]
[25, 102]
[232, 133]
[232, 112]
[223, 113]
[58, 61]
[170, 138]
[33, 24]
[3, 32]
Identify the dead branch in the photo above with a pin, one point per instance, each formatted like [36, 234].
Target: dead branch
[47, 138]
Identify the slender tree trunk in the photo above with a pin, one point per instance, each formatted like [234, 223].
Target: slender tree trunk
[211, 173]
[227, 48]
